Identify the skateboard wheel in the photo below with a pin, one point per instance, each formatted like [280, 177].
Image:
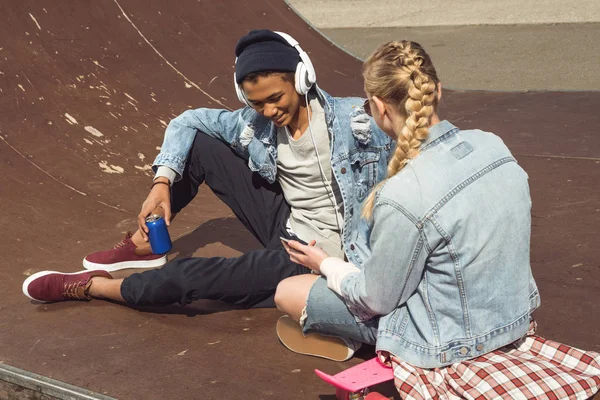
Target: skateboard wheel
[376, 396]
[342, 394]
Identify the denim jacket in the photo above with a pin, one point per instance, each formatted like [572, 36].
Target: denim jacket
[359, 152]
[449, 271]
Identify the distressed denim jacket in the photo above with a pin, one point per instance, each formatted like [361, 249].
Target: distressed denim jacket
[359, 152]
[449, 272]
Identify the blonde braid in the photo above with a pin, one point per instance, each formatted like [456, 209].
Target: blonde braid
[408, 69]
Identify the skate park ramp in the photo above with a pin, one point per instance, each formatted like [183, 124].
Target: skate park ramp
[86, 91]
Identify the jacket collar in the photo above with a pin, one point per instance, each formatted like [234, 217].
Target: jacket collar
[327, 102]
[438, 133]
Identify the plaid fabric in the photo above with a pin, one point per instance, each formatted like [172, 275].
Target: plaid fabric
[530, 368]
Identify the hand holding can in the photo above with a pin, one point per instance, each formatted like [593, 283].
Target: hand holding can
[159, 197]
[160, 241]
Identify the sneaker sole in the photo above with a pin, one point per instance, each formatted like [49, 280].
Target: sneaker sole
[39, 275]
[159, 262]
[329, 347]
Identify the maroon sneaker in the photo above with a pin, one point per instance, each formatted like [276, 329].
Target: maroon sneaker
[123, 256]
[49, 286]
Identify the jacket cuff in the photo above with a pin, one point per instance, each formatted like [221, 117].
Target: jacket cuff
[165, 172]
[173, 162]
[336, 269]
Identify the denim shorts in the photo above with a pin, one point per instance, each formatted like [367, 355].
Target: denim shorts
[327, 314]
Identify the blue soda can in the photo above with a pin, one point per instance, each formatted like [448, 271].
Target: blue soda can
[160, 241]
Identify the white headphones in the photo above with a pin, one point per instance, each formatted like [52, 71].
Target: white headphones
[304, 77]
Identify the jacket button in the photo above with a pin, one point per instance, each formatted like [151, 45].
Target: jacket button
[479, 347]
[464, 351]
[351, 247]
[343, 170]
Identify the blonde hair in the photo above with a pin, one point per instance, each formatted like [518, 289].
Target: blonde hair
[402, 74]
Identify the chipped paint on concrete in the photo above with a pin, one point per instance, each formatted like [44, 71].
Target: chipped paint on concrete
[35, 20]
[98, 64]
[70, 119]
[146, 169]
[126, 94]
[93, 131]
[110, 169]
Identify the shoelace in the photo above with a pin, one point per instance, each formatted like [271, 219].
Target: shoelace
[70, 290]
[124, 242]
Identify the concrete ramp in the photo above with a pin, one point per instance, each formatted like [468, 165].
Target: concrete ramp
[86, 91]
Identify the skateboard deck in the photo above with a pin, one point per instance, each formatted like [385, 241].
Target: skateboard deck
[290, 335]
[359, 377]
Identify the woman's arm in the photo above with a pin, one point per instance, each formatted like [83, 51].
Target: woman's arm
[390, 275]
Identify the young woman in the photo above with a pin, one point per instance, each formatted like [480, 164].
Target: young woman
[447, 292]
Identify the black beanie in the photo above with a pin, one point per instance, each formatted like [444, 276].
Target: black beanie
[264, 50]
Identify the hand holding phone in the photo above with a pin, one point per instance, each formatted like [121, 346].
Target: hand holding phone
[308, 255]
[284, 239]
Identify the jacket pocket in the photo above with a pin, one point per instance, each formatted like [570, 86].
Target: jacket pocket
[364, 169]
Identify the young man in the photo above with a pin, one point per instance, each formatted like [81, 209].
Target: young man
[260, 161]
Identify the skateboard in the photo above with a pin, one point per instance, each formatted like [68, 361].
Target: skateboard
[290, 335]
[353, 383]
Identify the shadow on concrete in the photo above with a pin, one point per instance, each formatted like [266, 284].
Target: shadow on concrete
[225, 231]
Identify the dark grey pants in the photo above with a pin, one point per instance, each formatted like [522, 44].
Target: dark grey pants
[249, 280]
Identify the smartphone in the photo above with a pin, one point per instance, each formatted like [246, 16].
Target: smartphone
[284, 239]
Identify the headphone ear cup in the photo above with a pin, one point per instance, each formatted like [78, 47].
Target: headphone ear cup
[301, 79]
[240, 93]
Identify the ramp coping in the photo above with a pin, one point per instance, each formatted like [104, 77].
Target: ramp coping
[48, 386]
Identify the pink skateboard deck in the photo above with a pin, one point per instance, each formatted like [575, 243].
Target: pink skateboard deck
[359, 377]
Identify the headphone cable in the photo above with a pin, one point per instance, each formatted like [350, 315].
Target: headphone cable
[326, 183]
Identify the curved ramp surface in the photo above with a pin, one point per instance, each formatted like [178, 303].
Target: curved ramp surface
[86, 90]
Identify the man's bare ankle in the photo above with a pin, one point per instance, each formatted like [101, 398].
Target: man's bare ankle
[105, 288]
[142, 250]
[97, 280]
[141, 245]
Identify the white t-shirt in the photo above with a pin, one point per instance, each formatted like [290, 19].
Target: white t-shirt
[308, 188]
